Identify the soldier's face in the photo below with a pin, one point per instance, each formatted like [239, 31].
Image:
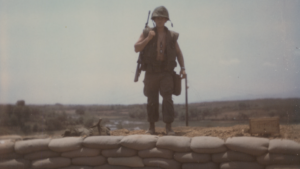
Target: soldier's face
[160, 21]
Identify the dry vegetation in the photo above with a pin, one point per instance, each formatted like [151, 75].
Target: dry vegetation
[286, 132]
[22, 119]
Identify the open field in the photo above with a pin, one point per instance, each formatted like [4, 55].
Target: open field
[290, 132]
[222, 119]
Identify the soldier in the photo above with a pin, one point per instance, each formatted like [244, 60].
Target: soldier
[159, 49]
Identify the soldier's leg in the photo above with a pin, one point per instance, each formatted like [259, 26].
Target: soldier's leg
[166, 90]
[151, 90]
[152, 107]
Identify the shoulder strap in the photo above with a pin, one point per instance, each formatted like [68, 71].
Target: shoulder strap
[174, 35]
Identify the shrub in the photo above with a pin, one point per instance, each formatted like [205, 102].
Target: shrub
[138, 113]
[53, 124]
[25, 128]
[80, 111]
[88, 122]
[35, 128]
[119, 125]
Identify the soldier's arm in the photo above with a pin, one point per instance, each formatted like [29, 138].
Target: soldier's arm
[180, 60]
[142, 42]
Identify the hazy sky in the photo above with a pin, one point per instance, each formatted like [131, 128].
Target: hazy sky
[81, 52]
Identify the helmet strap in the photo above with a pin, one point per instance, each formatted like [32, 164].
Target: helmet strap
[171, 23]
[153, 23]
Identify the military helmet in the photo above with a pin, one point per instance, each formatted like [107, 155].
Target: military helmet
[160, 11]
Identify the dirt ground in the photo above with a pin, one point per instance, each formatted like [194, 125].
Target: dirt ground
[291, 132]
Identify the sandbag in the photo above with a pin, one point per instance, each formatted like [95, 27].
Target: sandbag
[174, 143]
[248, 145]
[146, 168]
[139, 142]
[126, 161]
[56, 162]
[241, 165]
[102, 142]
[10, 156]
[232, 156]
[83, 152]
[156, 153]
[119, 152]
[41, 155]
[191, 157]
[14, 164]
[11, 137]
[78, 167]
[284, 147]
[107, 166]
[283, 167]
[6, 146]
[65, 144]
[270, 158]
[90, 161]
[29, 146]
[161, 163]
[209, 165]
[206, 144]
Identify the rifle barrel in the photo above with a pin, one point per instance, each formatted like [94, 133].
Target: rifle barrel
[186, 103]
[138, 67]
[147, 20]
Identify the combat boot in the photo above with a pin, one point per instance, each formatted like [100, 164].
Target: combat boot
[151, 129]
[169, 130]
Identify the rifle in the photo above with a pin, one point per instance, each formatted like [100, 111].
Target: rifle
[186, 103]
[139, 61]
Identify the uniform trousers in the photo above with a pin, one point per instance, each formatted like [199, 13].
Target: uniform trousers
[159, 83]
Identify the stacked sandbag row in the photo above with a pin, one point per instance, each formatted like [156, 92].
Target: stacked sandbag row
[150, 152]
[269, 154]
[282, 154]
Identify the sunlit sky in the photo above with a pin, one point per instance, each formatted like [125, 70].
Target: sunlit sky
[81, 52]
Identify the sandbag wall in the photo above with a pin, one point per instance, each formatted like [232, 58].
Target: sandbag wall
[150, 152]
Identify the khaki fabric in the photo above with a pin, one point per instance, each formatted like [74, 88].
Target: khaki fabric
[83, 152]
[90, 161]
[6, 146]
[139, 142]
[284, 147]
[162, 163]
[249, 145]
[119, 152]
[269, 159]
[174, 143]
[102, 142]
[41, 155]
[14, 164]
[209, 165]
[156, 153]
[191, 157]
[65, 144]
[126, 161]
[29, 146]
[232, 156]
[56, 162]
[206, 144]
[241, 165]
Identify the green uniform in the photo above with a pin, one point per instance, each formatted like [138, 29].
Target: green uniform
[159, 77]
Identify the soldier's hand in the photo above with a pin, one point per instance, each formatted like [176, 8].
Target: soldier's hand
[182, 74]
[151, 34]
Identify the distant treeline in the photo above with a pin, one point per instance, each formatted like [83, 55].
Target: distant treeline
[24, 118]
[285, 109]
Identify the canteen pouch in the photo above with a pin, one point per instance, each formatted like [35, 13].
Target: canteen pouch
[177, 84]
